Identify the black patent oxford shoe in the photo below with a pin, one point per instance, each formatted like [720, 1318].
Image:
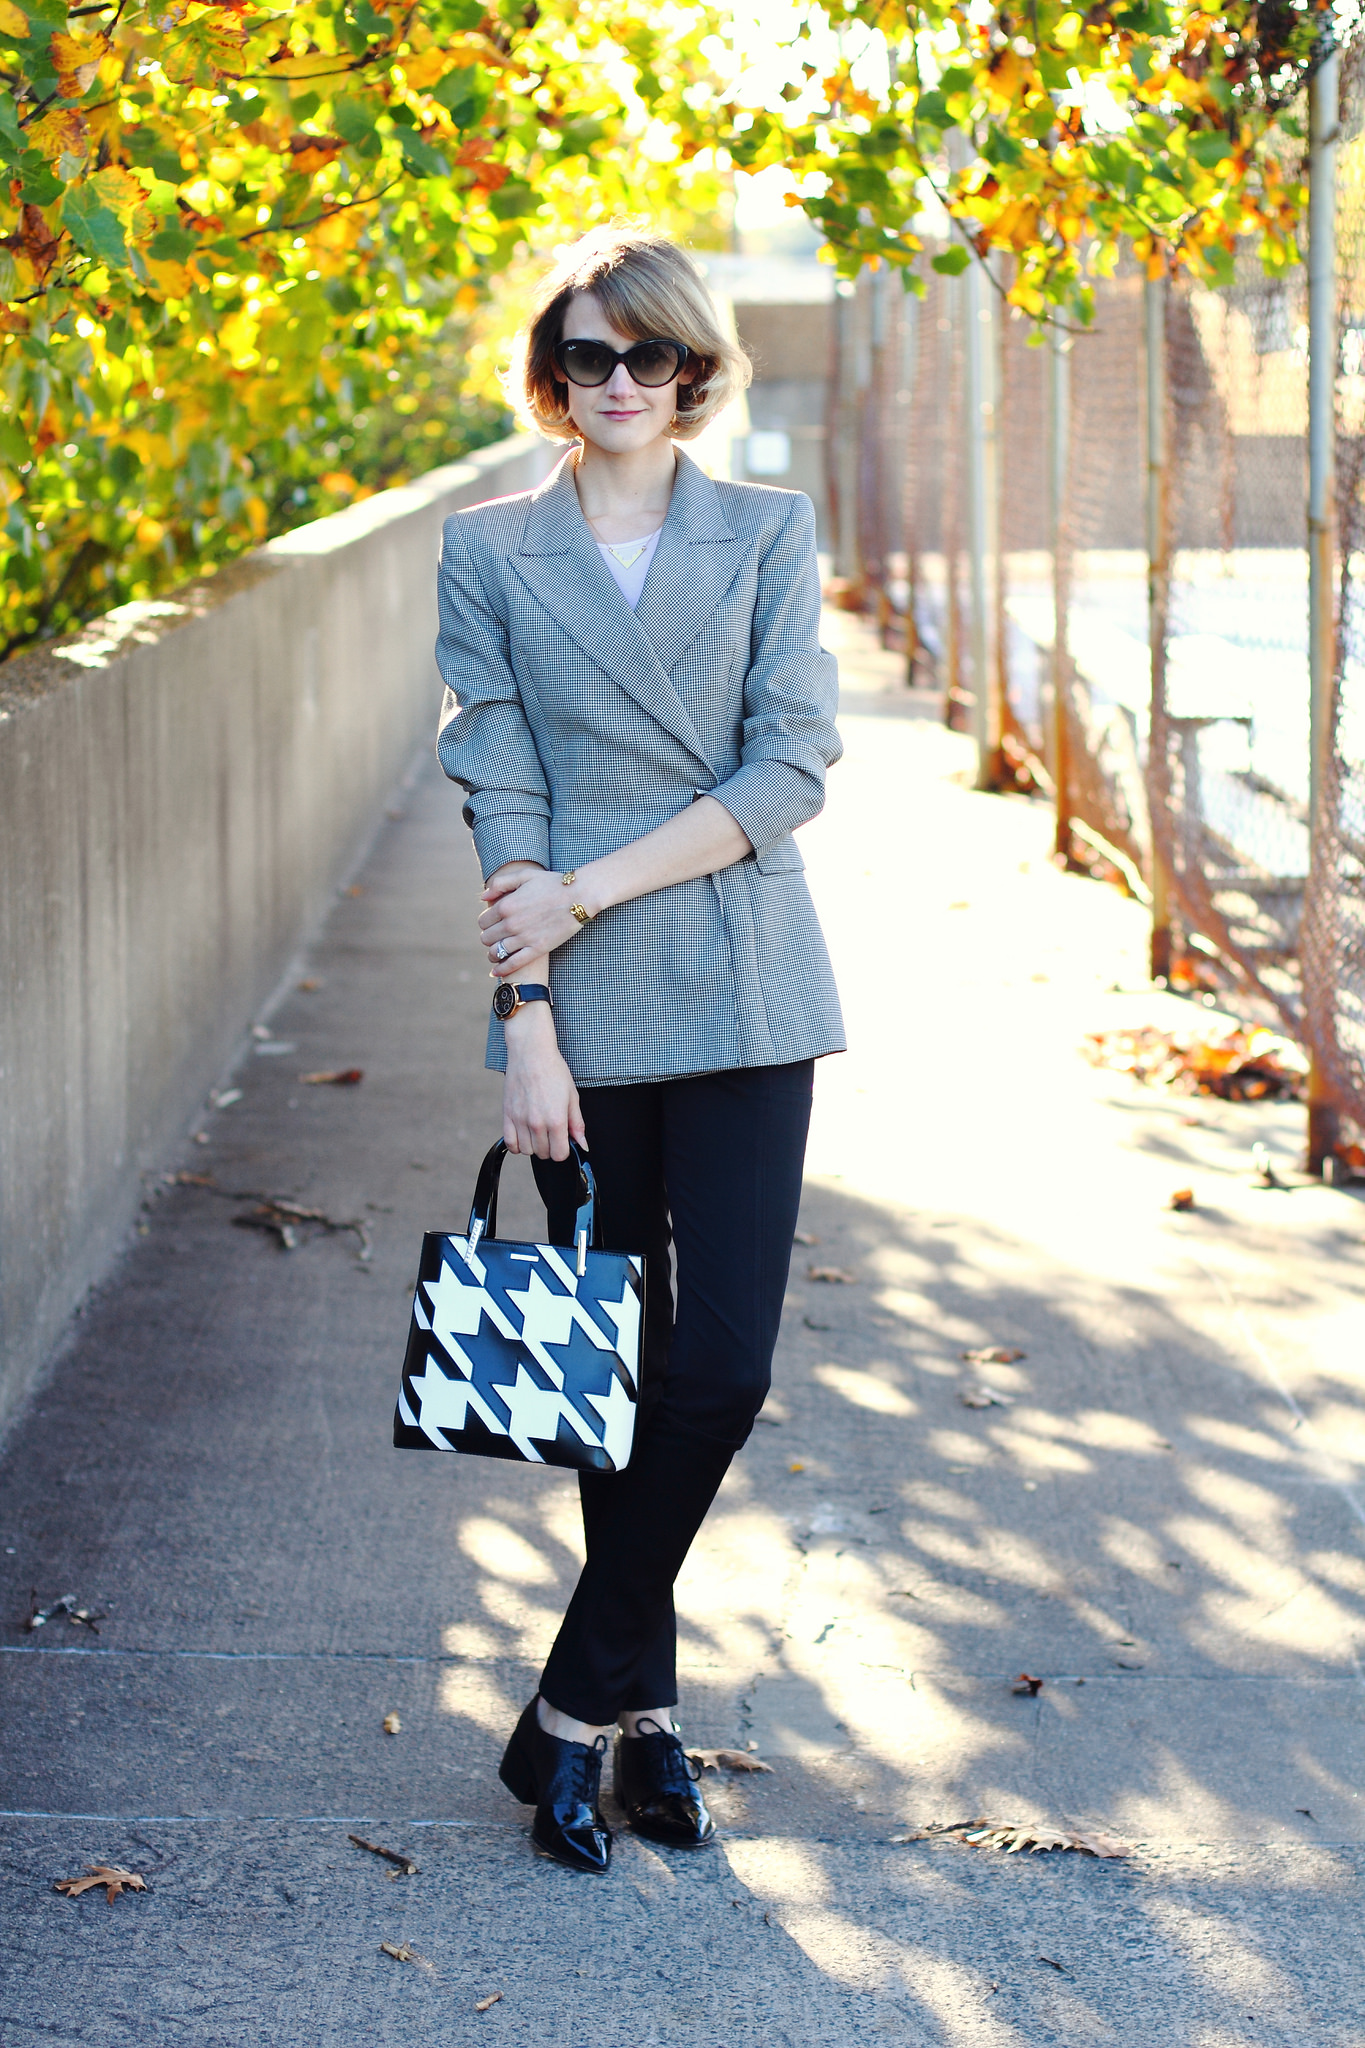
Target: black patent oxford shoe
[562, 1780]
[657, 1785]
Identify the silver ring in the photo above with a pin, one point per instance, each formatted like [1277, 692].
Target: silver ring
[500, 951]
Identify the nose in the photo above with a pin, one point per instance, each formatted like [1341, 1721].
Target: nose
[620, 384]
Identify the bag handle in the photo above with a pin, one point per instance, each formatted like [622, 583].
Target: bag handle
[483, 1215]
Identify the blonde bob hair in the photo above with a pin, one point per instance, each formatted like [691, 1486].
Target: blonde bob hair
[650, 290]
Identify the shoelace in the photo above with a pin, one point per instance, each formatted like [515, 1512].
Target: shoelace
[678, 1773]
[585, 1770]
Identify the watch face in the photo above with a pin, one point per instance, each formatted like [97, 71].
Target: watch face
[504, 1001]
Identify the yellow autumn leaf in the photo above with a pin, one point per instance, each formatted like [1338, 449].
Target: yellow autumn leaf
[76, 63]
[316, 64]
[152, 449]
[237, 336]
[120, 191]
[62, 133]
[13, 20]
[424, 70]
[172, 280]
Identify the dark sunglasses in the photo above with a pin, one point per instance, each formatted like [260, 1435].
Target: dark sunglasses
[648, 363]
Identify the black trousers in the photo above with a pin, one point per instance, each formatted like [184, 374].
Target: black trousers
[710, 1165]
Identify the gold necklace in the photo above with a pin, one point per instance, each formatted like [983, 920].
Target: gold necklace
[633, 548]
[629, 552]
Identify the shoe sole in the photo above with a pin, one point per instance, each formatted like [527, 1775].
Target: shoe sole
[571, 1862]
[671, 1841]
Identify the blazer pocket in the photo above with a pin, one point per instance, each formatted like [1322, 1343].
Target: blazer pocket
[782, 858]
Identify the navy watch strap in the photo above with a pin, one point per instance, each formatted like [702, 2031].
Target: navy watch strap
[509, 997]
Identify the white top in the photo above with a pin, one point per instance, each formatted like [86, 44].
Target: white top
[630, 574]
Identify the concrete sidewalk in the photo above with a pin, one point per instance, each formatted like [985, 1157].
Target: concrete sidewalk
[1160, 1521]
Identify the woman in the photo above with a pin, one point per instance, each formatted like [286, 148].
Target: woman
[640, 713]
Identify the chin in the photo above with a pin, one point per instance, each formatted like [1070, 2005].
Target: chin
[624, 437]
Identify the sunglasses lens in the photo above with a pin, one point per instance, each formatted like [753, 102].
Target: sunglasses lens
[587, 362]
[653, 362]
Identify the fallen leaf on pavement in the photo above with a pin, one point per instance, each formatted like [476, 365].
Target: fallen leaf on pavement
[812, 1324]
[405, 1863]
[356, 889]
[1024, 1684]
[984, 1397]
[400, 1951]
[994, 1354]
[334, 1077]
[392, 1724]
[806, 1237]
[114, 1880]
[1241, 1065]
[39, 1616]
[224, 1098]
[989, 1834]
[1263, 1174]
[281, 1218]
[835, 1274]
[796, 1467]
[1183, 1198]
[1052, 1965]
[309, 987]
[1034, 1839]
[484, 2003]
[727, 1760]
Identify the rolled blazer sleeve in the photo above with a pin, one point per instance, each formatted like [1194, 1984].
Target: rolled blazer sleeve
[484, 742]
[791, 694]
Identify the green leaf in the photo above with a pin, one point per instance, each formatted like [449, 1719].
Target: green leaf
[1000, 148]
[9, 121]
[465, 95]
[42, 186]
[13, 443]
[420, 158]
[353, 118]
[172, 245]
[952, 262]
[1222, 263]
[511, 200]
[1210, 148]
[93, 227]
[933, 108]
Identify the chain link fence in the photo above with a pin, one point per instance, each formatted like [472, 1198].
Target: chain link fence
[1150, 595]
[1333, 937]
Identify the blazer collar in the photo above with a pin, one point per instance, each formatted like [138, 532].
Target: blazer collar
[694, 565]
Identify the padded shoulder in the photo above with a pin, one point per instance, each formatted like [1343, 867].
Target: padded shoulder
[762, 506]
[498, 523]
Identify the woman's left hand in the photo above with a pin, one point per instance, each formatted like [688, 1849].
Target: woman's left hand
[528, 916]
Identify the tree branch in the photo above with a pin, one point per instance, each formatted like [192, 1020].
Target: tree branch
[291, 227]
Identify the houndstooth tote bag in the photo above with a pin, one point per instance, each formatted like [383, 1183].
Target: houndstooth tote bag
[527, 1351]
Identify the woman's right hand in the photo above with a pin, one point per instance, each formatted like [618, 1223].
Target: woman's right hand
[540, 1111]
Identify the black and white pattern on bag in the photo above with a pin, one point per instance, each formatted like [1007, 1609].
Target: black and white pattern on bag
[514, 1354]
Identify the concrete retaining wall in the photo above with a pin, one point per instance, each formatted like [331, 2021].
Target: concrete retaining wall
[181, 785]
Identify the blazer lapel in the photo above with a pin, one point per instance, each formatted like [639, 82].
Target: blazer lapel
[695, 563]
[693, 567]
[560, 565]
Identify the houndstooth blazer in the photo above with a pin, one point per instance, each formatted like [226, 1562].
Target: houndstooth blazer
[575, 725]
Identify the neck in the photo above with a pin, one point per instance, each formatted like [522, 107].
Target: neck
[630, 486]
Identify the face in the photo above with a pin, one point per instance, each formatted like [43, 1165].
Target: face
[619, 416]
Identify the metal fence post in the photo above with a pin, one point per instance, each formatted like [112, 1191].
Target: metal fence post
[983, 516]
[1324, 107]
[1059, 459]
[1158, 602]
